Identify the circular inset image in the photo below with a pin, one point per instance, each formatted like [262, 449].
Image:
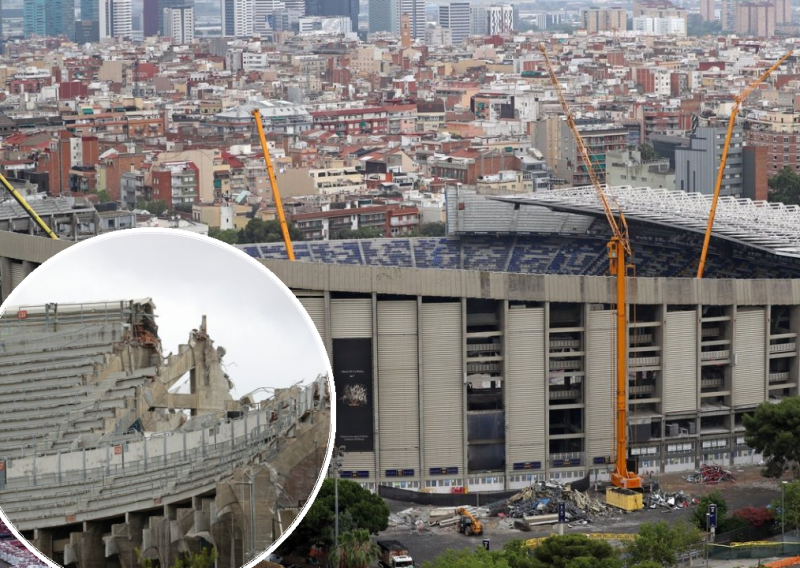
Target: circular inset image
[164, 398]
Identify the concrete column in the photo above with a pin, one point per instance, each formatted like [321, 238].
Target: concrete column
[43, 541]
[5, 277]
[91, 548]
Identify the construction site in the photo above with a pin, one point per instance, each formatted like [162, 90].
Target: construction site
[103, 460]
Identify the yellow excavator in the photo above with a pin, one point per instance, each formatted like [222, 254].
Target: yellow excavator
[468, 524]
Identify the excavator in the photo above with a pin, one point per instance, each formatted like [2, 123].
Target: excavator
[619, 249]
[468, 524]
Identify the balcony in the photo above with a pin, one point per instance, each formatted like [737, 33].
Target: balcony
[715, 355]
[644, 361]
[782, 348]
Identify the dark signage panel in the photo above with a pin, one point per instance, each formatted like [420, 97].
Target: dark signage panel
[352, 378]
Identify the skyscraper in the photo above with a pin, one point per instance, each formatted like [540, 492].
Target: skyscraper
[380, 15]
[456, 17]
[179, 24]
[237, 18]
[90, 9]
[477, 21]
[349, 8]
[416, 13]
[150, 17]
[49, 18]
[116, 18]
[500, 20]
[707, 11]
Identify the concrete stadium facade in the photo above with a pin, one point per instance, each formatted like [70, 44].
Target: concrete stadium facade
[453, 380]
[485, 381]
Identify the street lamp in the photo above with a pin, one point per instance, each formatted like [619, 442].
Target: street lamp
[336, 463]
[783, 511]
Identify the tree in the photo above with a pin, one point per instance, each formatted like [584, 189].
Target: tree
[575, 551]
[698, 27]
[355, 550]
[791, 501]
[699, 513]
[436, 229]
[230, 236]
[784, 187]
[518, 554]
[362, 233]
[103, 196]
[205, 559]
[258, 231]
[367, 511]
[756, 516]
[157, 207]
[648, 152]
[774, 432]
[466, 558]
[661, 542]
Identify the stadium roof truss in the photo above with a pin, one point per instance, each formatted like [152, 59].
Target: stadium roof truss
[773, 227]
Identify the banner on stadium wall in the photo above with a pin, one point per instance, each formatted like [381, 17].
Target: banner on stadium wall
[352, 377]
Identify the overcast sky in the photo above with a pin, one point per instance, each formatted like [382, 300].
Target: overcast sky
[267, 338]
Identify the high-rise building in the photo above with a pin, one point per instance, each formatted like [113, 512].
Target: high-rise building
[696, 165]
[49, 18]
[87, 31]
[116, 19]
[783, 12]
[756, 18]
[380, 15]
[264, 12]
[179, 24]
[90, 10]
[597, 20]
[499, 20]
[349, 8]
[456, 17]
[150, 17]
[707, 10]
[416, 15]
[477, 20]
[237, 18]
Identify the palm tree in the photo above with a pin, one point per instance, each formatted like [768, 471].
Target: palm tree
[355, 550]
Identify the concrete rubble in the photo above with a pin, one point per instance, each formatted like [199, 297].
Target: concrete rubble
[538, 505]
[677, 500]
[710, 474]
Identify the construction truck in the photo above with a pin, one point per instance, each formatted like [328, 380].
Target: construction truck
[468, 523]
[394, 554]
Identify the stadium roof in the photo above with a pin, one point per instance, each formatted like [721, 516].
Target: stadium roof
[773, 227]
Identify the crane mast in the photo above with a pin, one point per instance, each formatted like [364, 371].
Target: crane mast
[276, 195]
[723, 160]
[619, 249]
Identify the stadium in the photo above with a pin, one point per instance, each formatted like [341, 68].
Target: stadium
[101, 459]
[484, 360]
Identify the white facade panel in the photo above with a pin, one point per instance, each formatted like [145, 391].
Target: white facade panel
[601, 384]
[680, 362]
[442, 385]
[525, 386]
[351, 318]
[315, 306]
[750, 357]
[398, 386]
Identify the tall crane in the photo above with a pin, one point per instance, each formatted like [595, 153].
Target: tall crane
[276, 195]
[27, 207]
[619, 248]
[731, 121]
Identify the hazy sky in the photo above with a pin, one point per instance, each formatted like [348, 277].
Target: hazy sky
[249, 312]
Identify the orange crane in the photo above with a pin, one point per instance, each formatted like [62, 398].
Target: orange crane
[276, 195]
[731, 121]
[619, 248]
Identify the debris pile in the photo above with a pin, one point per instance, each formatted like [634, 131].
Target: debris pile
[539, 504]
[711, 474]
[672, 501]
